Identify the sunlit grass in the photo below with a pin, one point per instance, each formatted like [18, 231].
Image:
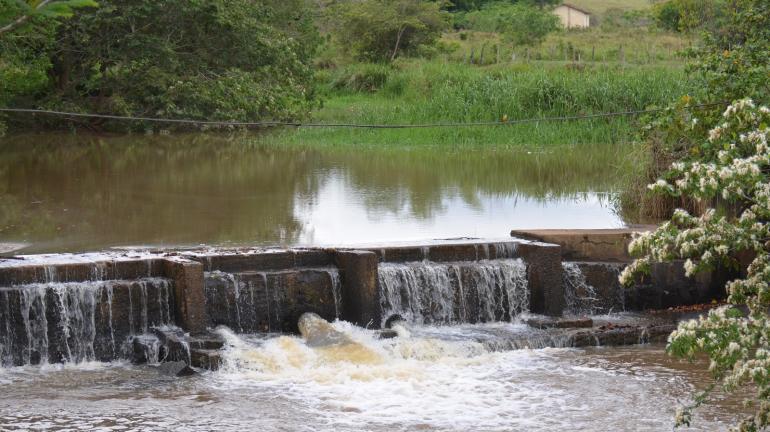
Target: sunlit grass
[419, 92]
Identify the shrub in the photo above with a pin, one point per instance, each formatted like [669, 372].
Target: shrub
[364, 77]
[381, 30]
[520, 23]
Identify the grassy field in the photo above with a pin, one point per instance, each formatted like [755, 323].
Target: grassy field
[419, 91]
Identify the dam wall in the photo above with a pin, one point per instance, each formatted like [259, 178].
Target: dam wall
[83, 307]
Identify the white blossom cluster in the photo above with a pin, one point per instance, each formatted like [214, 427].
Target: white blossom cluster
[736, 169]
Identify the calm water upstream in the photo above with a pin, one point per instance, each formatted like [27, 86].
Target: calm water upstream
[73, 193]
[434, 381]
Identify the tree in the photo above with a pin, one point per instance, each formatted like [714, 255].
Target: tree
[22, 70]
[519, 23]
[208, 59]
[689, 15]
[381, 30]
[526, 25]
[722, 156]
[736, 169]
[732, 63]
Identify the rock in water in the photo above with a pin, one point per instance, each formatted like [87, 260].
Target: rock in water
[318, 332]
[177, 368]
[332, 345]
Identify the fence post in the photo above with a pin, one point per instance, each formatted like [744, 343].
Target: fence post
[481, 55]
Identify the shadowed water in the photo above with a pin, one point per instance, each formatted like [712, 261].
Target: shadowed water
[63, 192]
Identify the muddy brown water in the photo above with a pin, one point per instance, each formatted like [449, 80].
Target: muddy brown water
[61, 192]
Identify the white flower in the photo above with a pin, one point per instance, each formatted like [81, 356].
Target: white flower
[715, 133]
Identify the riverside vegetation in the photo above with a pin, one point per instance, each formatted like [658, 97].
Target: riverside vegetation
[408, 66]
[715, 164]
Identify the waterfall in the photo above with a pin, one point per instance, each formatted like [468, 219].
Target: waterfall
[336, 292]
[442, 293]
[267, 301]
[78, 321]
[583, 298]
[580, 296]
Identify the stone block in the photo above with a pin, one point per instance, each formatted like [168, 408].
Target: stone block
[268, 301]
[360, 296]
[252, 261]
[549, 322]
[206, 359]
[401, 254]
[189, 295]
[544, 273]
[313, 258]
[453, 252]
[586, 244]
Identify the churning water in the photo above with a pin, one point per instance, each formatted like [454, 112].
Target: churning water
[429, 378]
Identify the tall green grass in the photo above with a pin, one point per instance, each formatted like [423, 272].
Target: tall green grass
[418, 92]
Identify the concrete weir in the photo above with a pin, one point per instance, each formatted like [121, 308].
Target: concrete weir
[161, 305]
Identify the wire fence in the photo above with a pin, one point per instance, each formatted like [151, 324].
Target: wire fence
[350, 125]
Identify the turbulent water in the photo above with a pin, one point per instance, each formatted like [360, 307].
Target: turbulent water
[430, 378]
[442, 293]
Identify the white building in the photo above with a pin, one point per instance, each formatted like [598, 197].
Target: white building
[573, 17]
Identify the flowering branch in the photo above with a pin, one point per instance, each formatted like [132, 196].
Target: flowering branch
[736, 168]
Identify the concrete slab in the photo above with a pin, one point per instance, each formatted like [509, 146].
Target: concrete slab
[587, 244]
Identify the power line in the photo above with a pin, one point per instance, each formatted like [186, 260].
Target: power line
[350, 125]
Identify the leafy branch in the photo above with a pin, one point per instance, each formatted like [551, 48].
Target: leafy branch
[46, 8]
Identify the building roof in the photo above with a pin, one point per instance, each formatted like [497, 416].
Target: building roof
[571, 6]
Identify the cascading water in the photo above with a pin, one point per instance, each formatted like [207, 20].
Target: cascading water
[426, 292]
[78, 321]
[251, 301]
[582, 298]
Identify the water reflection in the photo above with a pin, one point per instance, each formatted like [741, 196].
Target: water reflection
[66, 192]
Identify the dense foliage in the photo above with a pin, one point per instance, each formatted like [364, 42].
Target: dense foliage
[687, 15]
[381, 30]
[733, 63]
[15, 13]
[212, 59]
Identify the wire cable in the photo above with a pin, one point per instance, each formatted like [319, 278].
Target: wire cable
[349, 125]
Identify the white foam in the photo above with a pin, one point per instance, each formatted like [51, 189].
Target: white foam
[421, 382]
